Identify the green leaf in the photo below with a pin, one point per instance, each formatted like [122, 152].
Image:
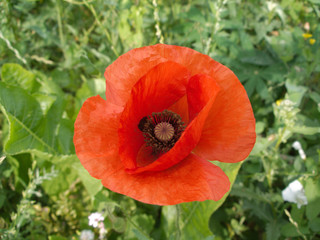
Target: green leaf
[194, 216]
[65, 137]
[30, 129]
[250, 86]
[14, 74]
[312, 189]
[91, 88]
[66, 176]
[289, 230]
[251, 194]
[57, 237]
[255, 57]
[295, 93]
[139, 226]
[316, 98]
[305, 130]
[25, 118]
[262, 89]
[260, 126]
[92, 185]
[283, 45]
[315, 225]
[45, 101]
[315, 1]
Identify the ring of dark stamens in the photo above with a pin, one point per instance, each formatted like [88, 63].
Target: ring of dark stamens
[156, 129]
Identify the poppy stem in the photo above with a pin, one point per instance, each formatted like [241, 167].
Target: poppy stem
[280, 138]
[108, 35]
[157, 20]
[178, 235]
[58, 9]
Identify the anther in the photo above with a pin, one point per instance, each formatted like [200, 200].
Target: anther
[161, 130]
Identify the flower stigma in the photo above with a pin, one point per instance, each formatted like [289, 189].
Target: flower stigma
[161, 130]
[164, 131]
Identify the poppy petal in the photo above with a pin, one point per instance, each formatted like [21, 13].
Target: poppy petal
[229, 133]
[123, 73]
[194, 179]
[199, 109]
[235, 136]
[201, 89]
[160, 88]
[96, 134]
[181, 107]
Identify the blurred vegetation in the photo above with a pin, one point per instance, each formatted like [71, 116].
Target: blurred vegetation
[53, 55]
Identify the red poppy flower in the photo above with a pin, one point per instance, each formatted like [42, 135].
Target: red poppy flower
[168, 110]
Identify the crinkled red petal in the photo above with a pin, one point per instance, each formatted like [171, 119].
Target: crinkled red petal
[181, 107]
[126, 71]
[95, 139]
[193, 179]
[199, 108]
[201, 89]
[160, 88]
[229, 133]
[96, 135]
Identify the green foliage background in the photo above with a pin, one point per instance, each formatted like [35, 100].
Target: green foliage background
[53, 54]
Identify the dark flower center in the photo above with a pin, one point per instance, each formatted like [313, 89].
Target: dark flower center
[161, 130]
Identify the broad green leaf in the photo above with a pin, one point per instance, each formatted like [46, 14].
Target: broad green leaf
[315, 1]
[139, 227]
[196, 15]
[91, 88]
[14, 74]
[255, 57]
[246, 42]
[262, 210]
[65, 137]
[251, 194]
[260, 126]
[66, 176]
[262, 89]
[261, 145]
[312, 189]
[57, 237]
[315, 225]
[194, 216]
[47, 85]
[295, 93]
[273, 230]
[289, 230]
[283, 45]
[305, 130]
[92, 185]
[250, 85]
[25, 118]
[2, 196]
[45, 101]
[316, 98]
[30, 129]
[103, 202]
[20, 164]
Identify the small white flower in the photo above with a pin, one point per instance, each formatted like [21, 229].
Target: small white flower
[295, 193]
[297, 146]
[95, 219]
[102, 231]
[86, 235]
[302, 154]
